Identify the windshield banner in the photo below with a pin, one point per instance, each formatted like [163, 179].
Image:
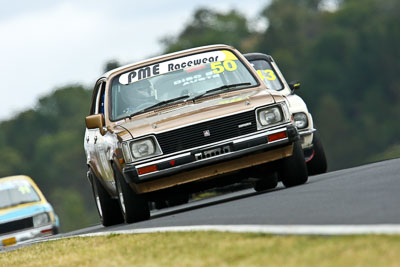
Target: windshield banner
[174, 65]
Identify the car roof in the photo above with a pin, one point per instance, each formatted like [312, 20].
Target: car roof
[26, 178]
[255, 56]
[169, 55]
[16, 177]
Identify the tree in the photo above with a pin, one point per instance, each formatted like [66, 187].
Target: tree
[350, 55]
[111, 64]
[209, 27]
[46, 143]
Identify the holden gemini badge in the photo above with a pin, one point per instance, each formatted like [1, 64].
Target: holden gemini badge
[206, 133]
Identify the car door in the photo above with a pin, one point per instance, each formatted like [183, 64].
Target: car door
[100, 145]
[91, 136]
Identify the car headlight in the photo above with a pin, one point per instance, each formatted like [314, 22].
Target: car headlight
[271, 115]
[41, 219]
[300, 120]
[126, 152]
[144, 148]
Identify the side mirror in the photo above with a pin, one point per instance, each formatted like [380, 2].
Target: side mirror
[294, 85]
[96, 121]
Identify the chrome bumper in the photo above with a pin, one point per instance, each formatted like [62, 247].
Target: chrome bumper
[306, 132]
[212, 154]
[24, 235]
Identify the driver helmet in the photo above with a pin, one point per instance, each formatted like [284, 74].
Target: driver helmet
[137, 93]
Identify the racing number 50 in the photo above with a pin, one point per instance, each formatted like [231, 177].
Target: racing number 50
[228, 65]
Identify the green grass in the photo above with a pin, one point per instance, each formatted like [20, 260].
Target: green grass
[210, 249]
[392, 152]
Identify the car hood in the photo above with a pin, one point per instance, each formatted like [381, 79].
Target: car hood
[22, 211]
[204, 109]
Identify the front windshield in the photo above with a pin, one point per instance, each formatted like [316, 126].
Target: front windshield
[15, 192]
[188, 76]
[267, 73]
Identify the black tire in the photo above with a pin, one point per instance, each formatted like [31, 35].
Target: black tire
[318, 163]
[55, 231]
[266, 183]
[108, 208]
[134, 208]
[294, 169]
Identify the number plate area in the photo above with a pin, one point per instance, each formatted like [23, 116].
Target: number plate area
[9, 241]
[214, 152]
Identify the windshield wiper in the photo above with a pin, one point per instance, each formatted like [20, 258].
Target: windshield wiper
[221, 88]
[159, 104]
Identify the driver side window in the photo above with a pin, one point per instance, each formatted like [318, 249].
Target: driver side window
[99, 108]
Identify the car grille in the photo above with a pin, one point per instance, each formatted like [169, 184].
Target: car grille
[16, 225]
[218, 130]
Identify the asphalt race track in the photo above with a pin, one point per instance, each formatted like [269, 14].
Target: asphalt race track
[365, 195]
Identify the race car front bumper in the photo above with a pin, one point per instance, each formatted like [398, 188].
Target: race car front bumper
[212, 160]
[24, 235]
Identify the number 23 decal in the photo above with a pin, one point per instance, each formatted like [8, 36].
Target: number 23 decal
[270, 75]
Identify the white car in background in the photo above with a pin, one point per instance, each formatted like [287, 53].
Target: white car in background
[268, 70]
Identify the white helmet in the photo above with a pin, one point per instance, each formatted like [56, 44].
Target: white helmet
[137, 93]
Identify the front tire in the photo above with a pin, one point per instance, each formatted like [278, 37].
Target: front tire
[108, 208]
[318, 163]
[134, 208]
[294, 169]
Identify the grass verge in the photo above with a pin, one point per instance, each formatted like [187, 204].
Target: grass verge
[210, 249]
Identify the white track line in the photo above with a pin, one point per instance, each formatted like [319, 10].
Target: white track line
[338, 230]
[329, 230]
[384, 229]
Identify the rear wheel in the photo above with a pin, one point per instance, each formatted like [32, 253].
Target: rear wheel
[108, 208]
[134, 208]
[294, 170]
[318, 163]
[269, 182]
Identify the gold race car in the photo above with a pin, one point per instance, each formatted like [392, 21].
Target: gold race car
[180, 123]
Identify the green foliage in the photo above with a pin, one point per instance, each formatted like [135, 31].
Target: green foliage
[10, 161]
[390, 153]
[346, 59]
[112, 64]
[46, 143]
[209, 27]
[70, 207]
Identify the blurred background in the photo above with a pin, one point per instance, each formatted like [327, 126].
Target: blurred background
[345, 53]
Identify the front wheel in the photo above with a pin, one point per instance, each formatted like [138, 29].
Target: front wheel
[108, 208]
[294, 169]
[134, 208]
